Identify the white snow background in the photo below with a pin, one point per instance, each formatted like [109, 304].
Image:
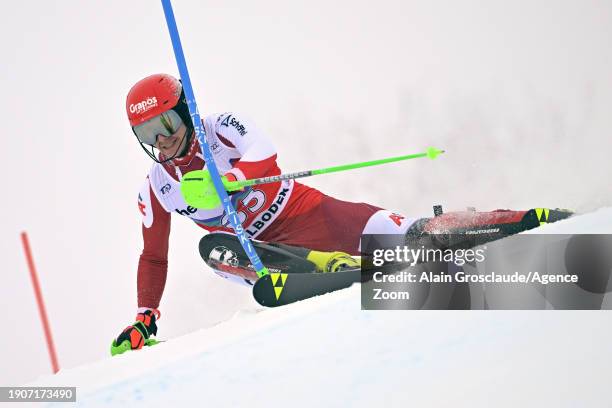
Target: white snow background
[518, 93]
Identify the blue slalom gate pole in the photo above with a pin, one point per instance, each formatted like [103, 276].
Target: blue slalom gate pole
[201, 135]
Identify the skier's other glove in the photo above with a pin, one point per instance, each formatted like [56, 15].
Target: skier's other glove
[138, 334]
[231, 184]
[198, 190]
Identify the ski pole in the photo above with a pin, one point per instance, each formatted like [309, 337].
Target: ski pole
[194, 182]
[431, 152]
[201, 135]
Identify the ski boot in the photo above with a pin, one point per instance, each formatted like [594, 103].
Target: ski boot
[330, 262]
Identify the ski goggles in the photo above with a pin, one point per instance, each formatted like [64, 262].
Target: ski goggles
[165, 124]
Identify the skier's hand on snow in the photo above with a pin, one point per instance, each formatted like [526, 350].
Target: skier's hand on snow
[138, 334]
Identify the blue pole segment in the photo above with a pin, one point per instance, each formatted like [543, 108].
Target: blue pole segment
[201, 136]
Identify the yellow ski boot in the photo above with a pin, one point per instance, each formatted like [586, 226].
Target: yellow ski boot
[329, 262]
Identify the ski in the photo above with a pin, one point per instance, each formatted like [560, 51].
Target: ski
[278, 289]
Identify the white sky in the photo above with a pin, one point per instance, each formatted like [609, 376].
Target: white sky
[518, 92]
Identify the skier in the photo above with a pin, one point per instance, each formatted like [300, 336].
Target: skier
[285, 212]
[312, 230]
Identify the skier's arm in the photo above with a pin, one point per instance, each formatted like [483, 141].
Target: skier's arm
[153, 262]
[152, 268]
[258, 154]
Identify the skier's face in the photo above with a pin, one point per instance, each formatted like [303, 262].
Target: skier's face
[171, 145]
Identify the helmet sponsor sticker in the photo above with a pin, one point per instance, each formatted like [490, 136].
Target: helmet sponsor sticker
[143, 106]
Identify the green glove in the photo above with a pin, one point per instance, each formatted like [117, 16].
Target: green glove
[137, 335]
[199, 191]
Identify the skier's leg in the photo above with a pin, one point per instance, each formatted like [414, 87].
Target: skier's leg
[224, 254]
[345, 223]
[470, 228]
[387, 222]
[463, 229]
[325, 261]
[331, 225]
[384, 229]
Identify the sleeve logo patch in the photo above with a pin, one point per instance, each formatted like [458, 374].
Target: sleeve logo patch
[233, 122]
[165, 189]
[141, 205]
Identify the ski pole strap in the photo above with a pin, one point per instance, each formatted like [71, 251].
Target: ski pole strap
[431, 153]
[201, 136]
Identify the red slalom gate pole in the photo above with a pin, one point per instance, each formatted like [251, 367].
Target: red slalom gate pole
[40, 301]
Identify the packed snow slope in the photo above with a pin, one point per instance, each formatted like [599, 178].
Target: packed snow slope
[327, 352]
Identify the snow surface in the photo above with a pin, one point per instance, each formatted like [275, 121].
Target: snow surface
[326, 351]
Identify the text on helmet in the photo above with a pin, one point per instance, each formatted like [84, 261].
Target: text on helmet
[143, 106]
